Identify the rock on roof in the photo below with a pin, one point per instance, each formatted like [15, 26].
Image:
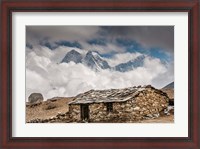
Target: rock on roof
[111, 95]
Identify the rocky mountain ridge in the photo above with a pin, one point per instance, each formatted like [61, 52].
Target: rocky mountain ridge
[169, 86]
[95, 61]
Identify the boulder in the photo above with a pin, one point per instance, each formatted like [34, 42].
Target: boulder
[35, 98]
[50, 106]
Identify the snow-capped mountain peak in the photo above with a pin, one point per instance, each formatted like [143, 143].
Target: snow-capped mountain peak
[95, 61]
[130, 65]
[73, 56]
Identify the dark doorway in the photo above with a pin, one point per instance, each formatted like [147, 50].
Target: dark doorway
[109, 106]
[85, 112]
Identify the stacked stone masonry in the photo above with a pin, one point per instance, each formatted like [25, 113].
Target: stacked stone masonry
[148, 103]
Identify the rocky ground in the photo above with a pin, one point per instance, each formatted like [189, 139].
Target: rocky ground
[47, 109]
[162, 119]
[55, 110]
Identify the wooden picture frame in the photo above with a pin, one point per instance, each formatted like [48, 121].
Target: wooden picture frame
[9, 6]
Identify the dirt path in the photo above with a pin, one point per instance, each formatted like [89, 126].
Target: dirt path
[163, 119]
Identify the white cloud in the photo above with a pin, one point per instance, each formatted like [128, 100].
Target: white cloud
[36, 83]
[165, 78]
[55, 55]
[45, 75]
[122, 58]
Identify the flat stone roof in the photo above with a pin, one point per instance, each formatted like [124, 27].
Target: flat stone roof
[105, 96]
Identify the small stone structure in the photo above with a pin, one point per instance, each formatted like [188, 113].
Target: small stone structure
[35, 98]
[118, 105]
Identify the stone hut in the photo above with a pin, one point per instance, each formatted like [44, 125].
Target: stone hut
[118, 105]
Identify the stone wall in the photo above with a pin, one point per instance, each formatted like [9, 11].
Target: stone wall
[147, 104]
[98, 112]
[75, 112]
